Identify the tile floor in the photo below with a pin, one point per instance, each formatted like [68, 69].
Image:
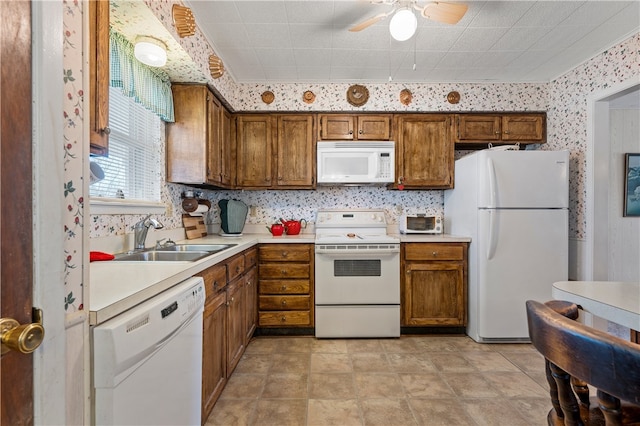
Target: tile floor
[414, 380]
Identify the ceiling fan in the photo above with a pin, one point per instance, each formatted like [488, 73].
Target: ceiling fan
[404, 21]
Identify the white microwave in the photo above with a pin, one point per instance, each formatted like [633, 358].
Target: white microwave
[420, 224]
[355, 163]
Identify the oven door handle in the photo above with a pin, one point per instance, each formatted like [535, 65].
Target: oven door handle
[362, 252]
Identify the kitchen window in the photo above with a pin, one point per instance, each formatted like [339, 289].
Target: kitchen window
[132, 171]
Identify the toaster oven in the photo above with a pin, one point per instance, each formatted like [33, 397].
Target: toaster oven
[420, 224]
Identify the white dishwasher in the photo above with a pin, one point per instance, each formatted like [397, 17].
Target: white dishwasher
[147, 361]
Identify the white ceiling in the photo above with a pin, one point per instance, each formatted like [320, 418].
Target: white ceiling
[502, 41]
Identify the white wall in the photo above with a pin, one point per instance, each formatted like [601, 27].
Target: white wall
[624, 232]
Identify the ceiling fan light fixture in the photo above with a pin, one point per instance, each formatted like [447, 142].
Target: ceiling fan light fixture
[403, 24]
[150, 51]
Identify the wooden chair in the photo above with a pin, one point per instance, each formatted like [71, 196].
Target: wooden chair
[577, 356]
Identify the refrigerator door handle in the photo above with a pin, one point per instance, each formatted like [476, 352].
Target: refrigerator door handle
[493, 231]
[492, 183]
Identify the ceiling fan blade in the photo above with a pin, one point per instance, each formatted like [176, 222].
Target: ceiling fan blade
[365, 24]
[448, 13]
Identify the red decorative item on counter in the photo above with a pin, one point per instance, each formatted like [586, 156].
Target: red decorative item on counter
[98, 256]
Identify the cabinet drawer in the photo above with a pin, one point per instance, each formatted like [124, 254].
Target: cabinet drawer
[284, 270]
[274, 303]
[285, 253]
[434, 251]
[284, 318]
[215, 279]
[284, 287]
[235, 267]
[250, 258]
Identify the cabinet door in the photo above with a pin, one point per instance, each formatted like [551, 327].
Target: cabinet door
[235, 324]
[478, 128]
[187, 136]
[525, 127]
[295, 151]
[254, 151]
[373, 127]
[336, 126]
[251, 302]
[214, 360]
[99, 77]
[214, 140]
[434, 294]
[226, 145]
[424, 151]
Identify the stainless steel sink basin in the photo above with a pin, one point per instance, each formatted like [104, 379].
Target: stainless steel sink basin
[211, 248]
[175, 253]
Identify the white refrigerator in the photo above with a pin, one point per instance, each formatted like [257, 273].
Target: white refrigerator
[514, 206]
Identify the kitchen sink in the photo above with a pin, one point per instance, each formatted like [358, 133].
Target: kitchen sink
[211, 248]
[174, 253]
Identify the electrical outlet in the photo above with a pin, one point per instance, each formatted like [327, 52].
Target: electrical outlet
[399, 208]
[253, 211]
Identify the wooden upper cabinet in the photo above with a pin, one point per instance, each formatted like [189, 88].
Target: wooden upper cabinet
[228, 178]
[500, 128]
[424, 151]
[295, 151]
[354, 127]
[99, 77]
[254, 147]
[198, 144]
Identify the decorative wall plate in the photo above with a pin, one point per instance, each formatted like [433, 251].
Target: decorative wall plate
[453, 97]
[216, 67]
[357, 95]
[183, 20]
[268, 97]
[308, 97]
[405, 96]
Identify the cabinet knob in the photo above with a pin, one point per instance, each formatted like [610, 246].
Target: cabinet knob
[407, 271]
[215, 285]
[283, 272]
[360, 132]
[249, 283]
[435, 254]
[497, 132]
[506, 132]
[284, 287]
[350, 132]
[237, 268]
[283, 319]
[284, 303]
[285, 254]
[106, 130]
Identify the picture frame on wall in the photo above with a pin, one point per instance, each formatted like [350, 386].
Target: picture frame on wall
[631, 184]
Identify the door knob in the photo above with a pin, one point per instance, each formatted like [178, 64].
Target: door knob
[23, 338]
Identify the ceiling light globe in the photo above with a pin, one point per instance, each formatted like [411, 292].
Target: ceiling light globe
[150, 52]
[403, 25]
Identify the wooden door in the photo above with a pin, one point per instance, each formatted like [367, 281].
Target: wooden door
[16, 276]
[425, 151]
[373, 127]
[434, 294]
[214, 140]
[254, 141]
[214, 359]
[226, 155]
[523, 127]
[295, 151]
[336, 127]
[235, 323]
[478, 128]
[99, 77]
[251, 302]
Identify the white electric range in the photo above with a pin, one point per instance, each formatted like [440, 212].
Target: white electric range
[357, 278]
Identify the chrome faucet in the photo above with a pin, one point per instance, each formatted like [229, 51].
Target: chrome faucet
[141, 228]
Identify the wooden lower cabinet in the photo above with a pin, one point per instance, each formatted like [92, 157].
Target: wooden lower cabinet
[434, 284]
[285, 285]
[229, 321]
[214, 359]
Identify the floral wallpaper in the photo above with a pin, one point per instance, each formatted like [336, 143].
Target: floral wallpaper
[567, 115]
[73, 132]
[563, 99]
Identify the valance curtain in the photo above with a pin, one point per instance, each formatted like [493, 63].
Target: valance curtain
[148, 86]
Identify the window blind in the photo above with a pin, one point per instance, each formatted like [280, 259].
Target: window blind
[133, 168]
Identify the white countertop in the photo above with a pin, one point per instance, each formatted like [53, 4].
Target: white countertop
[118, 286]
[615, 301]
[431, 238]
